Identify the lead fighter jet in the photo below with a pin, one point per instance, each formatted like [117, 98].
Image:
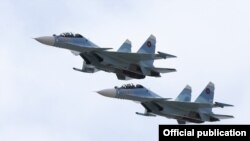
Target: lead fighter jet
[123, 62]
[180, 109]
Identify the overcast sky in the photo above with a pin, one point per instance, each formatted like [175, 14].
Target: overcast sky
[43, 98]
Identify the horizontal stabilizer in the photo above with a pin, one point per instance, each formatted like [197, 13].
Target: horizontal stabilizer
[165, 55]
[163, 70]
[221, 105]
[222, 116]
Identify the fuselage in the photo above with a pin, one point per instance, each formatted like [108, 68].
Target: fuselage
[101, 60]
[155, 104]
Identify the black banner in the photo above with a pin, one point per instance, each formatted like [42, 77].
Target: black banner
[198, 132]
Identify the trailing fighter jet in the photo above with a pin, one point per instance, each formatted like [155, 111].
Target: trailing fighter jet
[181, 109]
[123, 63]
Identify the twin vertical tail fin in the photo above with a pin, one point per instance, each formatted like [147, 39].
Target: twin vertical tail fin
[148, 46]
[125, 47]
[207, 95]
[185, 94]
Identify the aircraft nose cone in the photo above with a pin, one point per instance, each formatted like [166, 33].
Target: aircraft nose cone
[47, 40]
[108, 92]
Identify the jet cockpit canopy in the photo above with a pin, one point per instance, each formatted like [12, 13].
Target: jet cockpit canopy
[70, 35]
[131, 86]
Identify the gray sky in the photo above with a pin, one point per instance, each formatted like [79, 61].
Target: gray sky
[42, 98]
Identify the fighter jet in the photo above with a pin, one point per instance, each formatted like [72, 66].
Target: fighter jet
[123, 62]
[181, 109]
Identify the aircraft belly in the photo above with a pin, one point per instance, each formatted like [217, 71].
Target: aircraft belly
[129, 70]
[110, 63]
[171, 111]
[183, 115]
[109, 59]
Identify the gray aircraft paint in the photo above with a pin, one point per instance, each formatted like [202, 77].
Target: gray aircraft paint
[125, 47]
[123, 63]
[181, 109]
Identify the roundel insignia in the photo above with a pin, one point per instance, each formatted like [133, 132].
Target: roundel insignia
[207, 90]
[149, 44]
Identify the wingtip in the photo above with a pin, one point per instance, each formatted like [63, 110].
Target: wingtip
[165, 55]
